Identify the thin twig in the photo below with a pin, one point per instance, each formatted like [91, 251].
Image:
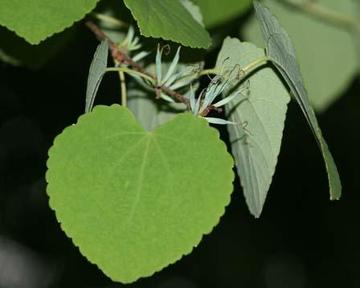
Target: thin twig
[120, 56]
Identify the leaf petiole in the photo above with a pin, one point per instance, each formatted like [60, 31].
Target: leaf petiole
[245, 71]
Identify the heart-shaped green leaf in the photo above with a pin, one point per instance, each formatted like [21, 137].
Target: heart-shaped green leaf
[135, 201]
[36, 20]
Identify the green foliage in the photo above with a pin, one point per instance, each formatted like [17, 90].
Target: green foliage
[149, 112]
[229, 9]
[136, 201]
[35, 20]
[280, 49]
[135, 194]
[170, 20]
[194, 10]
[255, 145]
[96, 73]
[326, 54]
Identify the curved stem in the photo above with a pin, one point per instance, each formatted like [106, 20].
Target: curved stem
[123, 88]
[211, 71]
[246, 70]
[252, 66]
[323, 13]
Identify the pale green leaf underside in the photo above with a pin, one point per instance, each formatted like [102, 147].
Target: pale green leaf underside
[149, 112]
[136, 201]
[255, 150]
[35, 20]
[326, 54]
[194, 10]
[217, 12]
[170, 20]
[96, 73]
[282, 53]
[356, 36]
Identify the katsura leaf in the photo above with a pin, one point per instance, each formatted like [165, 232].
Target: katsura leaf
[281, 51]
[135, 201]
[170, 20]
[35, 20]
[256, 140]
[218, 12]
[326, 54]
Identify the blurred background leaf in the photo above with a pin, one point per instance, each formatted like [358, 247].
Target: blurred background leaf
[36, 20]
[326, 53]
[230, 9]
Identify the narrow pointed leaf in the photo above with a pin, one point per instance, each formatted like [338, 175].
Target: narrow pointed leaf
[219, 121]
[141, 55]
[96, 73]
[166, 98]
[158, 64]
[227, 99]
[256, 141]
[192, 99]
[172, 66]
[281, 51]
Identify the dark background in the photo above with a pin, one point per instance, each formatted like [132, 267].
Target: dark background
[301, 240]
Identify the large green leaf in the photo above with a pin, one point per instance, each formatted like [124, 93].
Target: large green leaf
[325, 53]
[135, 201]
[170, 20]
[217, 12]
[255, 147]
[281, 51]
[36, 20]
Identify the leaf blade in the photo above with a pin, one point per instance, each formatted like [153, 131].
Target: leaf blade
[282, 53]
[230, 9]
[136, 201]
[35, 20]
[96, 73]
[157, 18]
[256, 141]
[323, 50]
